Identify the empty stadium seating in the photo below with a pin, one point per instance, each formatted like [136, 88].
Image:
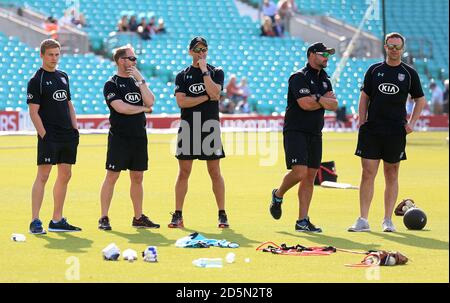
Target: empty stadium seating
[234, 44]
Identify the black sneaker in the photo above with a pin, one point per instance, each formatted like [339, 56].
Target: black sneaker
[275, 205]
[177, 221]
[36, 227]
[103, 223]
[62, 226]
[223, 221]
[144, 222]
[306, 226]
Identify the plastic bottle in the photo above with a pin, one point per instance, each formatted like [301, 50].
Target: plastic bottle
[208, 262]
[18, 237]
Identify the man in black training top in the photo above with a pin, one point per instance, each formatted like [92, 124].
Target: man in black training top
[383, 127]
[309, 95]
[53, 116]
[128, 99]
[197, 90]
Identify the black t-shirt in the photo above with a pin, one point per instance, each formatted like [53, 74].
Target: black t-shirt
[51, 91]
[190, 82]
[125, 89]
[303, 83]
[388, 88]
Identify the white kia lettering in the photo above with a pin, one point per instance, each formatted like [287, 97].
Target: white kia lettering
[60, 95]
[388, 88]
[197, 88]
[133, 97]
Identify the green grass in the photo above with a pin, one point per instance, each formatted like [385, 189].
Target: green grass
[423, 177]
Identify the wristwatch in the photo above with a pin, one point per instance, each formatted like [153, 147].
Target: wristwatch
[141, 82]
[318, 97]
[206, 73]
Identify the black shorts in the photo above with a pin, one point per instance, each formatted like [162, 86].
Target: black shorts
[389, 148]
[126, 153]
[50, 152]
[199, 146]
[302, 149]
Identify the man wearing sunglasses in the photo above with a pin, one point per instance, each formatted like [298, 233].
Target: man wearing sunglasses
[197, 91]
[128, 99]
[309, 94]
[383, 127]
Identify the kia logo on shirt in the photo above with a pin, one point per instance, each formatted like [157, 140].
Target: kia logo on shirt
[197, 88]
[388, 88]
[133, 97]
[60, 95]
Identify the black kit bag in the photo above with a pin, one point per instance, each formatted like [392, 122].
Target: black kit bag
[326, 172]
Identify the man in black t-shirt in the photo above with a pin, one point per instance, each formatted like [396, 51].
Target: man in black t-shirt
[383, 126]
[128, 99]
[309, 94]
[53, 116]
[197, 91]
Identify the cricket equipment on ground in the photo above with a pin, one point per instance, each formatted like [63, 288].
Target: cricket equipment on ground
[381, 258]
[329, 184]
[415, 219]
[130, 255]
[404, 206]
[297, 250]
[111, 252]
[326, 172]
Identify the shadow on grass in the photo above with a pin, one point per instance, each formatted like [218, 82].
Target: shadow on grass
[145, 236]
[325, 240]
[68, 242]
[228, 234]
[414, 240]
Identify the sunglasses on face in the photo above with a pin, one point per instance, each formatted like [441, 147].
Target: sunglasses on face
[131, 58]
[200, 49]
[394, 46]
[323, 54]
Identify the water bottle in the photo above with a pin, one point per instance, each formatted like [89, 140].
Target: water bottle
[208, 262]
[18, 237]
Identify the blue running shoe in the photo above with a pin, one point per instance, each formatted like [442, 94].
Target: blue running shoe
[305, 225]
[36, 227]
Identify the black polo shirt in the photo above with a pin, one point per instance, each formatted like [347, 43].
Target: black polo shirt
[51, 91]
[125, 89]
[388, 88]
[303, 83]
[190, 82]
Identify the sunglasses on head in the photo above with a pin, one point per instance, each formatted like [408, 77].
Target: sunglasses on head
[200, 49]
[396, 46]
[323, 54]
[131, 58]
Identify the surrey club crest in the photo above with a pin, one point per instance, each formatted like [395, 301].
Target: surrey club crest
[401, 77]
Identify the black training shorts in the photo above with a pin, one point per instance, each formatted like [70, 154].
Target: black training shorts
[302, 149]
[192, 145]
[389, 148]
[50, 152]
[126, 153]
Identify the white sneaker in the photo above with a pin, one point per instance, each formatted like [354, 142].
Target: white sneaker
[360, 225]
[388, 226]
